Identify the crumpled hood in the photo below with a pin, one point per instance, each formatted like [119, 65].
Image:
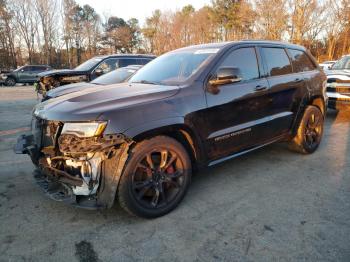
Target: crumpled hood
[62, 72]
[67, 89]
[91, 103]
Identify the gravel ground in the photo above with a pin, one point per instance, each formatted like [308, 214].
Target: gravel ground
[269, 205]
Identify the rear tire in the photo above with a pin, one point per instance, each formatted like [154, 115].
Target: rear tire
[156, 177]
[10, 81]
[309, 132]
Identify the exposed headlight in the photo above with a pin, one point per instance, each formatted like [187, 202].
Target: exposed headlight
[4, 77]
[84, 129]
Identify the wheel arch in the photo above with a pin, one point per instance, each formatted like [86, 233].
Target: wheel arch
[181, 133]
[317, 101]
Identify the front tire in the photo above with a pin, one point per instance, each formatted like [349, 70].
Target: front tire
[310, 131]
[156, 177]
[10, 81]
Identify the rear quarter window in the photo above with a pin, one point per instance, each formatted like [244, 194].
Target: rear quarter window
[277, 61]
[301, 61]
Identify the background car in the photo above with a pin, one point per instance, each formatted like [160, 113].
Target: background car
[26, 74]
[338, 84]
[89, 70]
[327, 64]
[116, 76]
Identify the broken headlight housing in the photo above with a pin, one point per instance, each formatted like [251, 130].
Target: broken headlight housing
[84, 129]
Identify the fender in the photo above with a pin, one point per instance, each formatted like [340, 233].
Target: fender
[156, 124]
[176, 127]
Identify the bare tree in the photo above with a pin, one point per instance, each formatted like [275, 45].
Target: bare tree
[27, 24]
[47, 11]
[272, 19]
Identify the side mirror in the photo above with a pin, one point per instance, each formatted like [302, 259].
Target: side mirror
[98, 71]
[226, 75]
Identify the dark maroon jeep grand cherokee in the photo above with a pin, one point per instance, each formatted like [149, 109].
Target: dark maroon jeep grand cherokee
[139, 141]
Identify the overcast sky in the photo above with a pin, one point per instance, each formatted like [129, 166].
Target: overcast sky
[139, 9]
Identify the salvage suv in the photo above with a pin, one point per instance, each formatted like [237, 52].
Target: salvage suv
[139, 141]
[89, 70]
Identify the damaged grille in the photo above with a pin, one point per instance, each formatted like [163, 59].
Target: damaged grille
[44, 132]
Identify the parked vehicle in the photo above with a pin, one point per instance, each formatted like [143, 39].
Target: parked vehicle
[326, 65]
[189, 108]
[26, 74]
[338, 84]
[116, 76]
[89, 70]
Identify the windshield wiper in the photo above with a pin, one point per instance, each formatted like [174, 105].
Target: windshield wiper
[146, 82]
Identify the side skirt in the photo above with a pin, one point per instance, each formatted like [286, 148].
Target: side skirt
[220, 160]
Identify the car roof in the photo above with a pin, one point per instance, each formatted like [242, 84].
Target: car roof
[38, 65]
[232, 43]
[126, 56]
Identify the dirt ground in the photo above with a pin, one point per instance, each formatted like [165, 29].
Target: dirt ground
[268, 205]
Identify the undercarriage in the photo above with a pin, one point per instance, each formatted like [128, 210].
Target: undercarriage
[81, 171]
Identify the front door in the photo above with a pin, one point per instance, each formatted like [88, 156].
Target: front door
[238, 115]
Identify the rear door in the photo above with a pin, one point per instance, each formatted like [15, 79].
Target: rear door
[286, 87]
[238, 114]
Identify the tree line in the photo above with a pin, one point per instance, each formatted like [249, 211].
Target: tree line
[62, 33]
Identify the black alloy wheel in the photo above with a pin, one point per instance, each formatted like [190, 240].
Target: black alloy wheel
[310, 131]
[156, 177]
[313, 130]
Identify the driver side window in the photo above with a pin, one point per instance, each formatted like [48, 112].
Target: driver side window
[108, 65]
[245, 60]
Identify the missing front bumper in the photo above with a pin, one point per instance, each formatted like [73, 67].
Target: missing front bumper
[63, 186]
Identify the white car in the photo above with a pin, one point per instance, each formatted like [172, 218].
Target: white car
[338, 84]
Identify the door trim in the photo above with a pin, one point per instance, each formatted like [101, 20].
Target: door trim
[232, 131]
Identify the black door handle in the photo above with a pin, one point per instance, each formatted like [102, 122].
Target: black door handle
[298, 80]
[260, 88]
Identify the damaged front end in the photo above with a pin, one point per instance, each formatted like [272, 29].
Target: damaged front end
[77, 163]
[48, 82]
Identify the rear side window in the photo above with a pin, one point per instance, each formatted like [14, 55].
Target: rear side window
[128, 61]
[301, 61]
[245, 60]
[277, 61]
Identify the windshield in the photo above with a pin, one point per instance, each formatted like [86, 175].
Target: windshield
[114, 77]
[343, 63]
[173, 68]
[89, 64]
